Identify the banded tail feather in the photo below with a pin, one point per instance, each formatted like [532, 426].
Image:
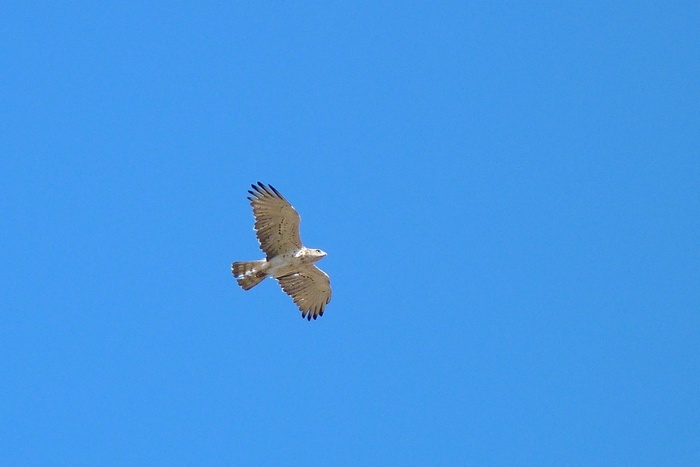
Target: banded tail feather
[248, 273]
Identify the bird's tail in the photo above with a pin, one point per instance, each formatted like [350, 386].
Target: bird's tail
[248, 273]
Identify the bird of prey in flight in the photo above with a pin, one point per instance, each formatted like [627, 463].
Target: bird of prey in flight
[287, 260]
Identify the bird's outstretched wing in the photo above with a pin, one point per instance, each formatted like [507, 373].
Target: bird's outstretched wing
[276, 221]
[310, 288]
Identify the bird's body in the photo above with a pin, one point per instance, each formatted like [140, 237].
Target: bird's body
[287, 260]
[287, 263]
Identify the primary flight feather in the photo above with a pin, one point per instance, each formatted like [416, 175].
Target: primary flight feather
[286, 258]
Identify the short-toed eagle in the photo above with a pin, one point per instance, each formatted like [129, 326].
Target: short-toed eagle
[287, 260]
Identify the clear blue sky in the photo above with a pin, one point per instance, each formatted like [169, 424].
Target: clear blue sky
[509, 195]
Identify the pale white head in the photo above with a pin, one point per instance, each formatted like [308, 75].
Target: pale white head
[311, 254]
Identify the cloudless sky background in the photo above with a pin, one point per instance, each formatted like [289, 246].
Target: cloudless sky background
[508, 192]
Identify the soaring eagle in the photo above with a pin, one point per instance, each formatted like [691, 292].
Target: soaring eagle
[287, 260]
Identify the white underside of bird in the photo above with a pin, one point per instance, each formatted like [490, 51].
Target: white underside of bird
[284, 264]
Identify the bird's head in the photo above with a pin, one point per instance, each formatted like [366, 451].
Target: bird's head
[317, 254]
[312, 254]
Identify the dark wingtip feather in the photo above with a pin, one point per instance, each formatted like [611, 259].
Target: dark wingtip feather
[262, 189]
[276, 192]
